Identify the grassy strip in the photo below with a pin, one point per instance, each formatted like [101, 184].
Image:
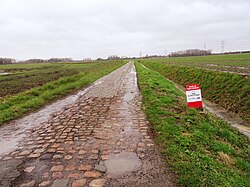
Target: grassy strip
[15, 106]
[230, 91]
[202, 149]
[220, 60]
[13, 84]
[27, 76]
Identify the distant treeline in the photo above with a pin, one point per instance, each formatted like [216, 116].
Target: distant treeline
[7, 61]
[12, 60]
[190, 52]
[184, 53]
[49, 60]
[114, 57]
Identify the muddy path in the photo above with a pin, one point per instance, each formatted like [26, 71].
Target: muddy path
[230, 117]
[99, 137]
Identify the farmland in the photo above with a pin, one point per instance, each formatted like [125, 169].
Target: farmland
[30, 86]
[229, 90]
[23, 77]
[173, 144]
[202, 149]
[235, 63]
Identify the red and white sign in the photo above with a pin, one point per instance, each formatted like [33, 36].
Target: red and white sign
[193, 93]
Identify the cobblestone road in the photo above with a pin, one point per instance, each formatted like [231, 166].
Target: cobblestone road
[103, 139]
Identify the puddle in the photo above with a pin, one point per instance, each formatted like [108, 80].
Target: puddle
[122, 164]
[131, 91]
[126, 162]
[12, 133]
[4, 73]
[229, 117]
[98, 82]
[222, 113]
[243, 129]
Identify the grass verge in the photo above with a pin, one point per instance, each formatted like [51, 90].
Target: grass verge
[12, 107]
[228, 90]
[202, 149]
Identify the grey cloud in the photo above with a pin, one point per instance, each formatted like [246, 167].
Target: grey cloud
[93, 28]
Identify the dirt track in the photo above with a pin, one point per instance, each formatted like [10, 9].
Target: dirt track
[102, 139]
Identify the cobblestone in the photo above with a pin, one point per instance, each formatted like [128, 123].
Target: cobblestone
[105, 121]
[97, 183]
[92, 174]
[44, 183]
[29, 169]
[79, 183]
[60, 183]
[57, 168]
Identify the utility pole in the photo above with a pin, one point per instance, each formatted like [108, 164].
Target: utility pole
[140, 54]
[222, 46]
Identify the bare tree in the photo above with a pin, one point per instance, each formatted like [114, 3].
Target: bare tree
[7, 60]
[191, 52]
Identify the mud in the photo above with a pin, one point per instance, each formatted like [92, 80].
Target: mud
[229, 70]
[12, 133]
[71, 139]
[9, 172]
[4, 73]
[231, 118]
[240, 70]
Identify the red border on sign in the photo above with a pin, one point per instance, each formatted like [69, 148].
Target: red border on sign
[193, 87]
[197, 104]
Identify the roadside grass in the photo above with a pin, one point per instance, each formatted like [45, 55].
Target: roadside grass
[228, 90]
[12, 107]
[202, 149]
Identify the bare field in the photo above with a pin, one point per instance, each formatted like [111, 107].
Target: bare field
[235, 63]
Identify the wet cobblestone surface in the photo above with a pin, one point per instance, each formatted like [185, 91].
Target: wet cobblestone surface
[103, 139]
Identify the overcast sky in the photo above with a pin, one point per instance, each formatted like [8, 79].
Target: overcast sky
[99, 28]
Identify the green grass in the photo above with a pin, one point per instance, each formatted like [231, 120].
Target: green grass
[202, 149]
[26, 76]
[221, 60]
[14, 106]
[235, 63]
[229, 90]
